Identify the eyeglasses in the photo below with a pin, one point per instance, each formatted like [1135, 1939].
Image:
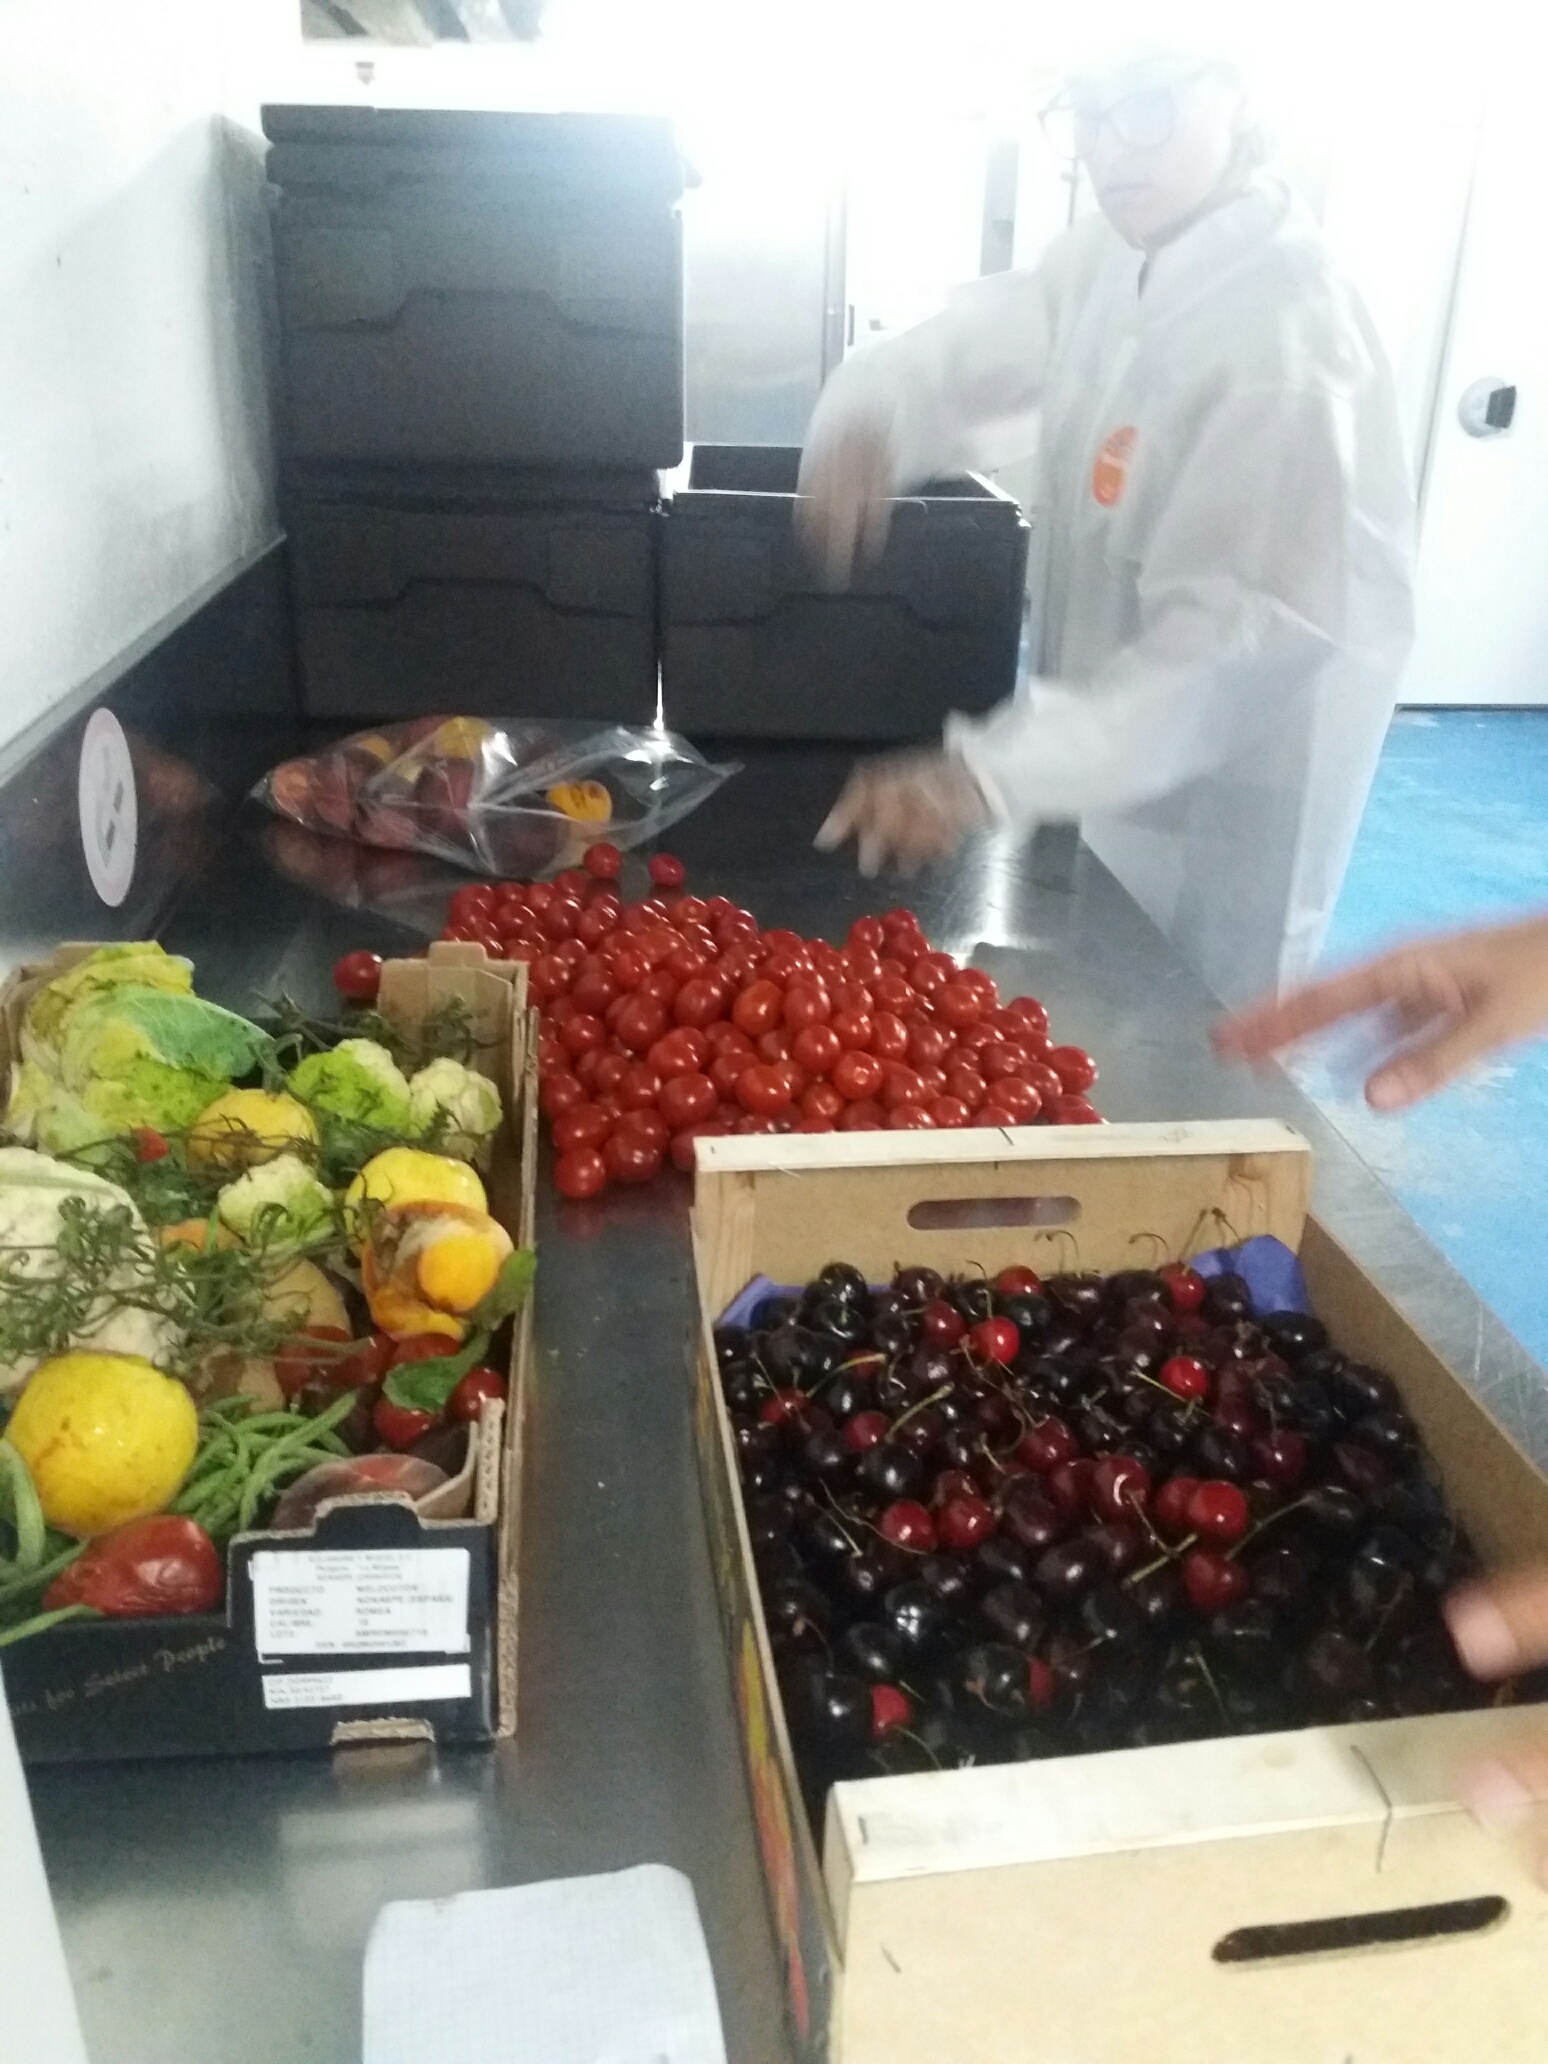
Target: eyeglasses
[1142, 120]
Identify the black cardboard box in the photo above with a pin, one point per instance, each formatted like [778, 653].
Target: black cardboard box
[298, 1659]
[754, 645]
[529, 607]
[481, 288]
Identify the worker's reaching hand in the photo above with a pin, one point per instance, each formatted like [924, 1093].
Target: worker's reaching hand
[906, 810]
[842, 510]
[1449, 1002]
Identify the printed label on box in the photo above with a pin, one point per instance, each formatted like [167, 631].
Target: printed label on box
[402, 1687]
[361, 1601]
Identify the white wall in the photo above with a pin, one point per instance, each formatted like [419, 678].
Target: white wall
[134, 469]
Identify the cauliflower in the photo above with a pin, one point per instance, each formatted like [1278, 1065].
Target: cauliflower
[32, 1189]
[279, 1200]
[468, 1104]
[358, 1080]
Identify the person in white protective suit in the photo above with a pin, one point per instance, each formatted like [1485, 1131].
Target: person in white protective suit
[1222, 530]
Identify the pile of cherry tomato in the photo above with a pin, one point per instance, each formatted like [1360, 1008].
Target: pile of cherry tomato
[677, 1018]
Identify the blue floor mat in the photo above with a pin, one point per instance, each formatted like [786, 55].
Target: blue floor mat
[1456, 831]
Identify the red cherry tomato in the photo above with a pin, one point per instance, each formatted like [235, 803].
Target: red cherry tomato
[775, 1045]
[858, 1076]
[806, 1003]
[949, 1113]
[582, 1034]
[697, 1002]
[640, 1087]
[931, 972]
[727, 1038]
[1074, 1068]
[853, 1029]
[399, 1426]
[629, 1157]
[1030, 1013]
[960, 1003]
[603, 862]
[585, 1126]
[967, 1084]
[889, 1036]
[1075, 1110]
[686, 1099]
[822, 1100]
[666, 870]
[763, 1089]
[581, 1173]
[816, 1048]
[927, 1044]
[608, 1072]
[896, 995]
[862, 1117]
[902, 1086]
[357, 977]
[467, 1400]
[727, 1069]
[149, 1144]
[561, 1093]
[593, 992]
[474, 899]
[1000, 1062]
[759, 1008]
[640, 1023]
[867, 933]
[647, 1124]
[910, 1118]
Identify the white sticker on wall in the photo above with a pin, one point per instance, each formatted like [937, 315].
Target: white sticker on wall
[109, 811]
[361, 1601]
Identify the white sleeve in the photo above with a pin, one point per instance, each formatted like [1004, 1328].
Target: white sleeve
[1244, 589]
[957, 392]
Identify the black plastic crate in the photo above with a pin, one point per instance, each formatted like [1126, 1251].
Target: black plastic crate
[532, 609]
[505, 290]
[752, 645]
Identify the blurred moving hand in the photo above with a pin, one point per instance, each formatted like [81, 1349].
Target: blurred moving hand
[843, 508]
[1451, 1001]
[905, 810]
[1500, 1627]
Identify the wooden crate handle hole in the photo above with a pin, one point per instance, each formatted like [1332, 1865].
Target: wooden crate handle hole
[1340, 1934]
[973, 1214]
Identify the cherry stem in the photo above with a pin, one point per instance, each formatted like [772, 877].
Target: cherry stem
[1161, 1246]
[1167, 1555]
[1267, 1520]
[914, 1410]
[1205, 1672]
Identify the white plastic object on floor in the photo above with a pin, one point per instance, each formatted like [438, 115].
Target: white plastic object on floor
[568, 1972]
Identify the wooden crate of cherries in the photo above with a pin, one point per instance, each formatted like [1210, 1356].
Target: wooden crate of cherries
[1014, 1518]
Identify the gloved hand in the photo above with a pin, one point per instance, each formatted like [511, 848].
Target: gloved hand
[906, 809]
[843, 490]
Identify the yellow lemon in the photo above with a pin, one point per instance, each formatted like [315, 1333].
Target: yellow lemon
[408, 1175]
[107, 1438]
[245, 1126]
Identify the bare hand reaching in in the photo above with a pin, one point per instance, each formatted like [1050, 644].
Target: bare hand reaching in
[1451, 1000]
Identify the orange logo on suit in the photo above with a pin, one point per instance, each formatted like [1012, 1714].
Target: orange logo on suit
[1110, 474]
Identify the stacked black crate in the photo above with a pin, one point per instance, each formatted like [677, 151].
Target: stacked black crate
[481, 364]
[754, 644]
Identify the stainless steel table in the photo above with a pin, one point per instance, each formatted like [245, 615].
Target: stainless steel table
[215, 1913]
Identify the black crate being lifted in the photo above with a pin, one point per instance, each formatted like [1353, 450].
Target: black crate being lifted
[490, 289]
[491, 603]
[753, 645]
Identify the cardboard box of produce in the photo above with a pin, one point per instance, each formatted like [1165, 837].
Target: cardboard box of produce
[1314, 1894]
[381, 1620]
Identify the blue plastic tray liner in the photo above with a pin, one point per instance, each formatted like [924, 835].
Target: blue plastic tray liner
[1266, 1265]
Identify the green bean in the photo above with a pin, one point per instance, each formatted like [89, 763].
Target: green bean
[38, 1579]
[26, 1512]
[41, 1622]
